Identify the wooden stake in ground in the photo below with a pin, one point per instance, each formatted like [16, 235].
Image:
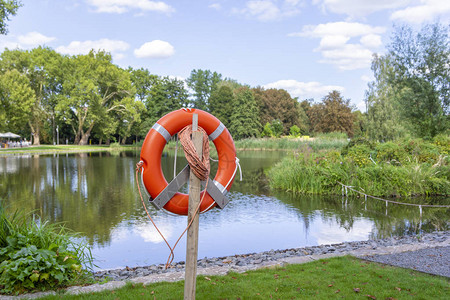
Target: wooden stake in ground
[192, 233]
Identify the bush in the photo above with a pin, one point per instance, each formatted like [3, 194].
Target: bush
[358, 141]
[38, 255]
[115, 145]
[267, 131]
[294, 131]
[277, 127]
[391, 152]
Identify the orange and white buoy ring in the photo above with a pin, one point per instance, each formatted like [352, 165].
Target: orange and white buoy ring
[152, 148]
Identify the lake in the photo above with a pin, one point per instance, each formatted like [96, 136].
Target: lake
[96, 194]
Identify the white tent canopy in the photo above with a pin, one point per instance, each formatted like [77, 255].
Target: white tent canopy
[9, 135]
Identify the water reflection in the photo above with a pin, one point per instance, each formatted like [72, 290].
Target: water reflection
[95, 193]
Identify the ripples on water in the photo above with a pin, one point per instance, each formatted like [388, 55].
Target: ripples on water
[96, 194]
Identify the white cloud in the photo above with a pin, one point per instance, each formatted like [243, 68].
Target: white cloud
[359, 8]
[34, 39]
[115, 47]
[335, 43]
[427, 11]
[155, 49]
[371, 41]
[304, 90]
[123, 6]
[269, 10]
[216, 6]
[350, 29]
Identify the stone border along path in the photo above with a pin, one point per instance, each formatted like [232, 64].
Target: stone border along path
[383, 250]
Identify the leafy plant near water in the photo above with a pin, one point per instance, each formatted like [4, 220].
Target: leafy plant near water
[389, 169]
[38, 255]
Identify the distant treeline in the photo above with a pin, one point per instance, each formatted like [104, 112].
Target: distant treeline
[44, 94]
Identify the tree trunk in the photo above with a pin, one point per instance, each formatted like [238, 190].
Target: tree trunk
[100, 141]
[85, 137]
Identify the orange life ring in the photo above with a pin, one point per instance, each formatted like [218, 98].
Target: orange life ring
[152, 148]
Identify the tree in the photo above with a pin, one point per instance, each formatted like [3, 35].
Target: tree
[245, 118]
[384, 119]
[333, 114]
[7, 8]
[93, 90]
[221, 103]
[42, 68]
[165, 95]
[277, 104]
[421, 76]
[16, 100]
[203, 83]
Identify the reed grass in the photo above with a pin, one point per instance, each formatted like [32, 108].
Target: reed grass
[309, 172]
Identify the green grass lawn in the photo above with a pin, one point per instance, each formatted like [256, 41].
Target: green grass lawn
[335, 278]
[64, 148]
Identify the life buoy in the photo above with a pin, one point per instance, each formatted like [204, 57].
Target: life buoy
[152, 148]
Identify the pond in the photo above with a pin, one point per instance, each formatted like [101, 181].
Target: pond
[96, 194]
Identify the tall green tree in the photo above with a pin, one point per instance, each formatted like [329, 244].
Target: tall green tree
[16, 100]
[221, 103]
[277, 104]
[7, 8]
[332, 114]
[42, 67]
[421, 76]
[203, 83]
[93, 90]
[166, 95]
[384, 117]
[244, 121]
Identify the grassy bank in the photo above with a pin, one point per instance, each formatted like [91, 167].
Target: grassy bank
[341, 277]
[65, 149]
[405, 168]
[319, 143]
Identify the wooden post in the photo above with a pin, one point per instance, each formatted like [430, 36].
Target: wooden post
[190, 276]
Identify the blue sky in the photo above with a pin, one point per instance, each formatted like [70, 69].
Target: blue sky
[306, 47]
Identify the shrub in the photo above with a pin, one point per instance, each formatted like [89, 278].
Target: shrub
[38, 255]
[358, 141]
[294, 131]
[391, 152]
[267, 131]
[114, 145]
[277, 127]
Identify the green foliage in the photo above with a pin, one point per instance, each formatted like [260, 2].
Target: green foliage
[38, 255]
[277, 127]
[390, 169]
[358, 141]
[277, 104]
[245, 118]
[267, 131]
[294, 131]
[332, 114]
[221, 103]
[384, 120]
[7, 8]
[421, 72]
[203, 83]
[360, 155]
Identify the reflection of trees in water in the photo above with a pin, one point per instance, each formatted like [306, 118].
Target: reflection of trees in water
[397, 220]
[92, 194]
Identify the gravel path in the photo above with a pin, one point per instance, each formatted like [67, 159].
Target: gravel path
[430, 260]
